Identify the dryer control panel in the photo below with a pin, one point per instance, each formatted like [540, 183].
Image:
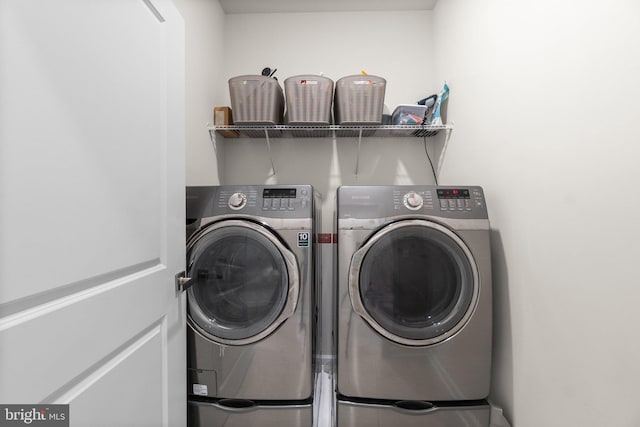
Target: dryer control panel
[460, 202]
[460, 199]
[448, 199]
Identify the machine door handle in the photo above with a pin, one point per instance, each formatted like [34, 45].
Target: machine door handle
[183, 282]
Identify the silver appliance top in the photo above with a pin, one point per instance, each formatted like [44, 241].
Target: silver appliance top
[377, 202]
[270, 201]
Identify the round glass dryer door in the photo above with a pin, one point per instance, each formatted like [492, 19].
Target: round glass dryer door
[415, 282]
[246, 282]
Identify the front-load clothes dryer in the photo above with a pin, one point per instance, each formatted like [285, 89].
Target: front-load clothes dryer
[413, 306]
[250, 305]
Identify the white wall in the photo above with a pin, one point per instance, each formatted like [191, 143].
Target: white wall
[544, 96]
[204, 39]
[393, 45]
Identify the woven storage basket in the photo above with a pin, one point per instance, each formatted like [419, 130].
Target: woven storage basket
[359, 100]
[309, 100]
[256, 100]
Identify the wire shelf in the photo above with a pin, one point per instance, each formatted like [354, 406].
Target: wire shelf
[267, 132]
[339, 131]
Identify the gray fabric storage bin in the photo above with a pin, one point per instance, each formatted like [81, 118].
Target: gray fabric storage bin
[256, 100]
[309, 99]
[359, 100]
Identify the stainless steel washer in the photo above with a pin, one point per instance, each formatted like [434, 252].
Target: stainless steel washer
[414, 306]
[250, 256]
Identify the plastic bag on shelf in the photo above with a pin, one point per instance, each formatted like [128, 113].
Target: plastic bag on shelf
[436, 118]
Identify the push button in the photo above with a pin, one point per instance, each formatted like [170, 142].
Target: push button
[266, 204]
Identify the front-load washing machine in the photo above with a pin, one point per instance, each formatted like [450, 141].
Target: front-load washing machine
[413, 306]
[250, 304]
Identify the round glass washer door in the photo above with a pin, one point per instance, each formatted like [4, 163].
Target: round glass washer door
[246, 282]
[415, 282]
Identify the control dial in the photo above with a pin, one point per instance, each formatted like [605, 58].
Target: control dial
[413, 200]
[237, 201]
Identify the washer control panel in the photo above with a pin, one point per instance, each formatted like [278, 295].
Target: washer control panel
[270, 201]
[237, 201]
[284, 199]
[413, 200]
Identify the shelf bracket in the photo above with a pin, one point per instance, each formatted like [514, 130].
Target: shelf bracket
[266, 136]
[358, 153]
[447, 136]
[212, 137]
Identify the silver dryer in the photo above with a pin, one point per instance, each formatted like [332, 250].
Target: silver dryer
[414, 306]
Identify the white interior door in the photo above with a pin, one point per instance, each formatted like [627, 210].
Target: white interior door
[92, 209]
